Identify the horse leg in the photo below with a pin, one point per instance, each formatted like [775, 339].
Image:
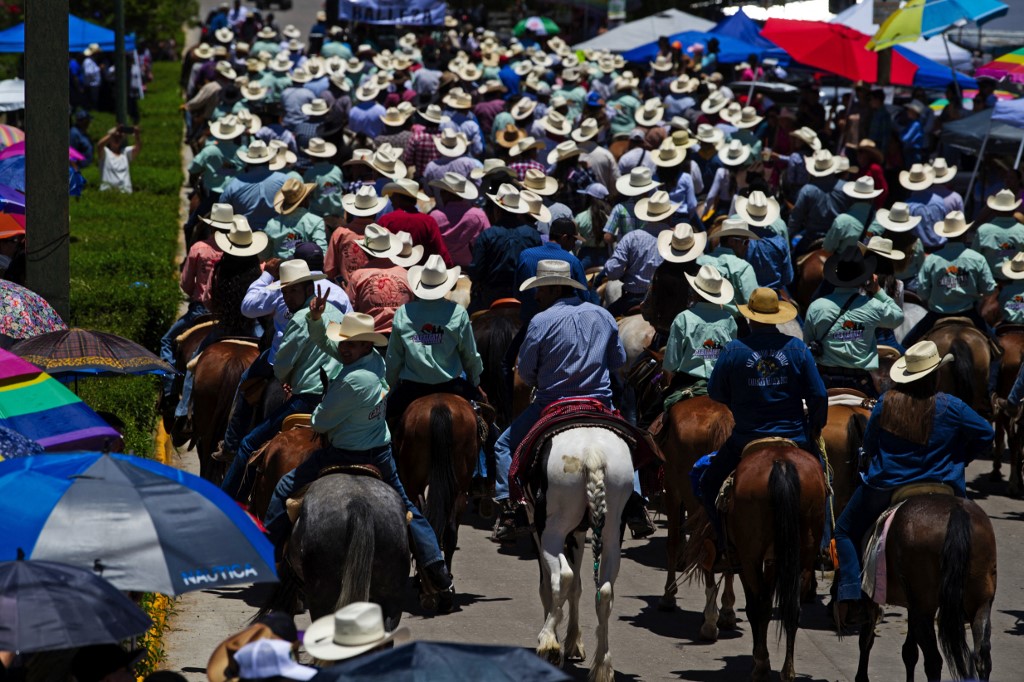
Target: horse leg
[573, 642]
[981, 628]
[727, 616]
[866, 641]
[673, 517]
[1003, 435]
[559, 583]
[759, 611]
[910, 651]
[601, 668]
[788, 672]
[709, 628]
[1016, 445]
[924, 625]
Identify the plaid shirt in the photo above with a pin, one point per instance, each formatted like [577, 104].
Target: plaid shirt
[420, 149]
[520, 167]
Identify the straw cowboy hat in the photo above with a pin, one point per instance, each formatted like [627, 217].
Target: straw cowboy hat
[253, 91]
[470, 73]
[378, 242]
[711, 286]
[320, 148]
[662, 63]
[535, 206]
[1004, 200]
[266, 33]
[410, 254]
[353, 327]
[367, 91]
[807, 136]
[758, 209]
[551, 273]
[432, 114]
[318, 107]
[897, 218]
[222, 217]
[204, 51]
[920, 360]
[862, 188]
[588, 130]
[851, 268]
[405, 187]
[433, 281]
[226, 128]
[822, 163]
[509, 198]
[364, 202]
[524, 145]
[765, 307]
[225, 70]
[683, 85]
[564, 150]
[282, 155]
[294, 272]
[953, 225]
[681, 137]
[300, 76]
[291, 195]
[625, 82]
[669, 154]
[386, 161]
[651, 113]
[942, 172]
[637, 183]
[394, 117]
[881, 246]
[256, 153]
[291, 32]
[457, 98]
[491, 86]
[714, 102]
[523, 109]
[521, 68]
[450, 143]
[459, 185]
[656, 207]
[869, 147]
[920, 176]
[541, 184]
[748, 118]
[1014, 268]
[734, 227]
[681, 244]
[508, 137]
[250, 120]
[280, 63]
[492, 166]
[731, 112]
[735, 153]
[709, 134]
[556, 123]
[240, 240]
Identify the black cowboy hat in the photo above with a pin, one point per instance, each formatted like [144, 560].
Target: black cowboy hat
[851, 268]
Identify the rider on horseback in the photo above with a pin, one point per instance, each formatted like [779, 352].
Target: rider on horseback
[729, 258]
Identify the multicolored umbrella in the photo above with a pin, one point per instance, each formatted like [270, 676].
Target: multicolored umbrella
[11, 225]
[42, 409]
[541, 26]
[83, 351]
[929, 18]
[24, 313]
[144, 526]
[938, 105]
[1010, 65]
[18, 149]
[10, 135]
[11, 200]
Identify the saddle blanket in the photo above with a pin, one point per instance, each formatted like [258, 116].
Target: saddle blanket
[875, 572]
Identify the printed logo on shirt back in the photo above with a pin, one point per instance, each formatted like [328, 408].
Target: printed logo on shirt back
[1015, 303]
[770, 369]
[429, 335]
[848, 331]
[953, 278]
[709, 350]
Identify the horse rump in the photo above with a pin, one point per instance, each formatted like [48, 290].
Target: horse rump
[963, 370]
[784, 492]
[954, 566]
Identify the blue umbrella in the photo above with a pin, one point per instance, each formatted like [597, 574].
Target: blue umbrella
[143, 526]
[11, 200]
[12, 174]
[931, 75]
[13, 444]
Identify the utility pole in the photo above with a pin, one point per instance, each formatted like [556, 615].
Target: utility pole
[121, 71]
[46, 158]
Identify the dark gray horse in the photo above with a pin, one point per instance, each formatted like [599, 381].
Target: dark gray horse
[349, 544]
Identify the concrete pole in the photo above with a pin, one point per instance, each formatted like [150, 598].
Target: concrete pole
[46, 160]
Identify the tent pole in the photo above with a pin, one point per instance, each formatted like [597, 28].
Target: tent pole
[1020, 152]
[753, 82]
[956, 83]
[977, 164]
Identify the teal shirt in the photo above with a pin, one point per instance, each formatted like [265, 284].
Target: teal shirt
[739, 272]
[915, 255]
[575, 97]
[431, 343]
[333, 48]
[624, 107]
[286, 231]
[1011, 301]
[779, 228]
[271, 46]
[847, 228]
[351, 414]
[216, 164]
[622, 219]
[300, 358]
[954, 279]
[327, 195]
[849, 341]
[998, 241]
[696, 338]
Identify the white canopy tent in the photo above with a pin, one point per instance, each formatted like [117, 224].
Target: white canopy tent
[12, 95]
[646, 30]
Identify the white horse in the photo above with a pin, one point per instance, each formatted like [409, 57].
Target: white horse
[589, 469]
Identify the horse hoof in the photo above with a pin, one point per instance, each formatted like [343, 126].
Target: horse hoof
[576, 653]
[552, 655]
[667, 603]
[429, 601]
[996, 475]
[709, 633]
[727, 623]
[445, 602]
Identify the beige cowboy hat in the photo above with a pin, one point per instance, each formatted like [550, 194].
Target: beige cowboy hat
[293, 272]
[731, 112]
[942, 172]
[340, 81]
[406, 187]
[536, 181]
[734, 226]
[625, 82]
[524, 145]
[714, 102]
[203, 51]
[808, 137]
[432, 280]
[408, 40]
[401, 62]
[1003, 200]
[318, 107]
[551, 273]
[256, 153]
[765, 307]
[334, 65]
[253, 91]
[522, 68]
[378, 242]
[266, 33]
[662, 63]
[490, 86]
[566, 149]
[668, 154]
[224, 35]
[382, 60]
[650, 113]
[711, 286]
[410, 254]
[225, 70]
[354, 65]
[492, 166]
[386, 161]
[432, 114]
[920, 360]
[883, 247]
[367, 91]
[250, 120]
[637, 183]
[655, 208]
[394, 117]
[457, 98]
[862, 188]
[282, 155]
[735, 153]
[709, 134]
[291, 195]
[920, 176]
[508, 137]
[748, 118]
[523, 109]
[556, 123]
[320, 148]
[222, 217]
[509, 198]
[758, 209]
[683, 85]
[353, 327]
[450, 143]
[470, 73]
[953, 225]
[535, 206]
[571, 74]
[291, 32]
[240, 240]
[588, 130]
[280, 63]
[897, 218]
[300, 76]
[1013, 268]
[360, 157]
[364, 202]
[458, 185]
[226, 127]
[681, 244]
[822, 163]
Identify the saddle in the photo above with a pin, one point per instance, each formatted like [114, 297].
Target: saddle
[294, 503]
[995, 350]
[813, 249]
[204, 322]
[297, 421]
[850, 397]
[725, 492]
[1009, 328]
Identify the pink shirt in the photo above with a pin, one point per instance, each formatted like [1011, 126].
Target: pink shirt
[197, 275]
[460, 223]
[343, 255]
[379, 292]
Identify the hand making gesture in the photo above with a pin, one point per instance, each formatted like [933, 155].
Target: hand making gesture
[317, 304]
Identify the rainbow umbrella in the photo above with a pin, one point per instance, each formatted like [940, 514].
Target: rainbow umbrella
[18, 149]
[1010, 65]
[10, 135]
[938, 105]
[929, 18]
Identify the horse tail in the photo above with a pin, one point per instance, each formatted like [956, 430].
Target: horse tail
[963, 370]
[441, 479]
[784, 492]
[357, 569]
[956, 554]
[855, 428]
[593, 463]
[285, 596]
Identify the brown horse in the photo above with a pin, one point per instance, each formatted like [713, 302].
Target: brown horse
[493, 330]
[843, 436]
[185, 347]
[940, 558]
[282, 454]
[1007, 419]
[809, 273]
[438, 442]
[967, 376]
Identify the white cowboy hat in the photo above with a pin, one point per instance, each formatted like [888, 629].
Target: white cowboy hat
[451, 143]
[1003, 200]
[493, 85]
[551, 273]
[920, 176]
[226, 127]
[625, 82]
[353, 327]
[266, 33]
[523, 109]
[320, 148]
[410, 253]
[714, 102]
[822, 163]
[655, 208]
[386, 161]
[225, 70]
[650, 113]
[897, 218]
[270, 659]
[523, 67]
[432, 114]
[709, 134]
[222, 217]
[535, 206]
[538, 183]
[637, 183]
[280, 63]
[378, 242]
[566, 149]
[748, 118]
[758, 209]
[710, 285]
[256, 153]
[293, 272]
[224, 35]
[883, 247]
[250, 120]
[491, 166]
[681, 244]
[731, 112]
[735, 153]
[433, 281]
[588, 130]
[1013, 268]
[240, 240]
[509, 198]
[808, 136]
[405, 187]
[662, 62]
[253, 91]
[282, 155]
[300, 76]
[318, 107]
[203, 51]
[524, 145]
[669, 154]
[291, 32]
[920, 360]
[942, 172]
[470, 73]
[367, 91]
[458, 185]
[862, 188]
[457, 98]
[734, 226]
[953, 225]
[556, 123]
[683, 85]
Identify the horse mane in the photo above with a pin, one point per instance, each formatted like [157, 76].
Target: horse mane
[494, 332]
[963, 370]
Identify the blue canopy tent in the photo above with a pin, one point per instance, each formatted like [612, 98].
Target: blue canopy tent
[81, 34]
[730, 50]
[743, 28]
[930, 74]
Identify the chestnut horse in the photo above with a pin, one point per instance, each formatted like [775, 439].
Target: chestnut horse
[967, 376]
[282, 454]
[808, 275]
[940, 558]
[216, 377]
[1007, 419]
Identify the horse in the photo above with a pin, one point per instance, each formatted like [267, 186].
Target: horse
[1007, 419]
[282, 454]
[967, 376]
[493, 330]
[349, 544]
[809, 273]
[186, 345]
[589, 476]
[460, 295]
[940, 557]
[437, 446]
[843, 436]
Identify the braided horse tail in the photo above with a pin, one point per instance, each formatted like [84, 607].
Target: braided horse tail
[594, 464]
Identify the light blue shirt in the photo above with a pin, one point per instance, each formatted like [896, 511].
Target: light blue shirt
[252, 194]
[364, 118]
[636, 258]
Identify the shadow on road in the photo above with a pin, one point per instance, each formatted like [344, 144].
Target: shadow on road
[253, 595]
[678, 624]
[1018, 624]
[736, 668]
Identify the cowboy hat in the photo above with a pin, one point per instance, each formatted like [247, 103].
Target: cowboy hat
[709, 134]
[225, 70]
[942, 172]
[203, 51]
[300, 76]
[683, 85]
[386, 161]
[731, 112]
[748, 118]
[734, 226]
[320, 148]
[681, 244]
[588, 130]
[266, 33]
[920, 360]
[364, 202]
[318, 107]
[556, 123]
[714, 102]
[523, 67]
[1013, 268]
[524, 145]
[291, 32]
[735, 153]
[637, 183]
[897, 218]
[655, 208]
[862, 188]
[509, 198]
[267, 659]
[410, 254]
[822, 163]
[470, 73]
[625, 82]
[765, 307]
[250, 120]
[394, 117]
[378, 242]
[295, 271]
[662, 62]
[551, 273]
[535, 206]
[681, 136]
[1003, 200]
[650, 113]
[807, 136]
[282, 155]
[883, 247]
[758, 209]
[280, 63]
[451, 143]
[459, 186]
[491, 86]
[353, 327]
[240, 240]
[541, 184]
[492, 166]
[457, 98]
[367, 91]
[222, 667]
[433, 281]
[508, 137]
[252, 91]
[710, 285]
[291, 195]
[432, 114]
[851, 268]
[406, 187]
[567, 149]
[920, 176]
[256, 153]
[953, 225]
[669, 154]
[226, 127]
[868, 147]
[222, 217]
[523, 109]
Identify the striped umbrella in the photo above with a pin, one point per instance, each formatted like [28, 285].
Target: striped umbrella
[10, 135]
[1010, 65]
[83, 351]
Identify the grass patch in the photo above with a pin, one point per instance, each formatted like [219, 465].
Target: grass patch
[123, 276]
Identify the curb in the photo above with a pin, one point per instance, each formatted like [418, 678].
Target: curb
[156, 606]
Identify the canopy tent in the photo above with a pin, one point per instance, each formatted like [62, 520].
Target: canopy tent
[81, 34]
[968, 133]
[12, 94]
[637, 33]
[743, 28]
[730, 50]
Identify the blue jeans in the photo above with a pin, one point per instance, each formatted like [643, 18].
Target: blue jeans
[237, 483]
[425, 547]
[865, 506]
[195, 310]
[241, 410]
